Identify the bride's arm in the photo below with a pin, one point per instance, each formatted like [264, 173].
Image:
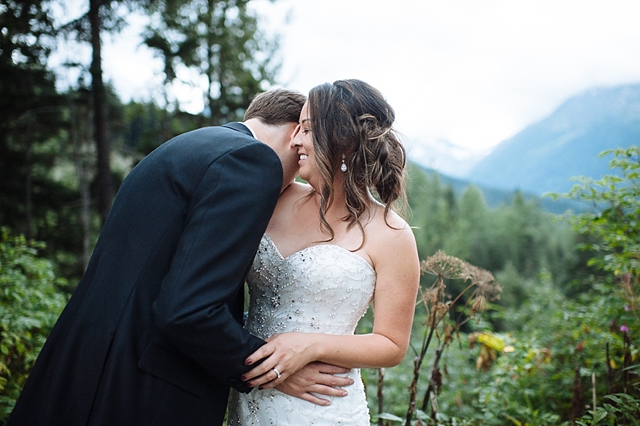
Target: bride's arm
[398, 273]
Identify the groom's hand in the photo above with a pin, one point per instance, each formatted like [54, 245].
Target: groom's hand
[319, 378]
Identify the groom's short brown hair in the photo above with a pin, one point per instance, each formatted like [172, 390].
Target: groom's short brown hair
[276, 107]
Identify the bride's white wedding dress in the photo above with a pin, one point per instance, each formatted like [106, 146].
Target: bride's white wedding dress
[320, 289]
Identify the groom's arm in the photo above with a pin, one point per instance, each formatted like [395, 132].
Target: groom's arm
[231, 209]
[319, 378]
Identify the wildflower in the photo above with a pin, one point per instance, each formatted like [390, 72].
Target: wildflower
[479, 304]
[444, 266]
[624, 329]
[491, 340]
[626, 307]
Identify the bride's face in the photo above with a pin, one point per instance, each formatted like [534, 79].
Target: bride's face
[303, 141]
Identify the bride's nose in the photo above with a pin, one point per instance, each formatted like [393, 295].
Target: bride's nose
[294, 137]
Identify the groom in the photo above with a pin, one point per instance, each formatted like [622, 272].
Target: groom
[152, 334]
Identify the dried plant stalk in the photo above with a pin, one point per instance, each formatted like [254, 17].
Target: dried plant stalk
[438, 304]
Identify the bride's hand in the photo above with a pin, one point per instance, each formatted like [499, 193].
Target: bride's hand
[316, 380]
[283, 355]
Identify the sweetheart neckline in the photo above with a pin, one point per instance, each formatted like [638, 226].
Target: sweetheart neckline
[275, 247]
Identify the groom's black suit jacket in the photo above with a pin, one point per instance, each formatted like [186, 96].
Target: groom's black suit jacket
[152, 335]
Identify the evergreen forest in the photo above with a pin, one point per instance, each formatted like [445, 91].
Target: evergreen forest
[524, 317]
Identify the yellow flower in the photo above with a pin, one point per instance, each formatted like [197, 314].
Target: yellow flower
[491, 340]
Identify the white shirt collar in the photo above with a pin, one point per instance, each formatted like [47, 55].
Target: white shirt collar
[251, 130]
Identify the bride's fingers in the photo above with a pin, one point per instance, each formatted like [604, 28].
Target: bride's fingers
[272, 382]
[330, 369]
[314, 399]
[272, 369]
[280, 361]
[261, 380]
[333, 381]
[329, 391]
[260, 374]
[327, 374]
[270, 379]
[262, 352]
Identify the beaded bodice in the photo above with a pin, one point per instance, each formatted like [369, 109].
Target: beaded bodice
[323, 288]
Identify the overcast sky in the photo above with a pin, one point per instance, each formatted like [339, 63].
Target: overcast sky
[473, 72]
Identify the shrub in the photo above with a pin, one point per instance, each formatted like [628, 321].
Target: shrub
[30, 303]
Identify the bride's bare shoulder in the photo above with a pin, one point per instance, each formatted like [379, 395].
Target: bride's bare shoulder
[392, 220]
[391, 226]
[285, 211]
[389, 240]
[296, 190]
[301, 187]
[291, 194]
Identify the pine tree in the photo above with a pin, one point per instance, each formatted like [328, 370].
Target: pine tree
[220, 40]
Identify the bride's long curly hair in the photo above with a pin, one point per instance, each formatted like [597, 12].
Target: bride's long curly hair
[351, 118]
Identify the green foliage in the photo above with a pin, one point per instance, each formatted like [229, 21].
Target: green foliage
[570, 333]
[29, 306]
[48, 150]
[563, 323]
[432, 325]
[519, 237]
[28, 38]
[220, 42]
[541, 374]
[615, 407]
[39, 182]
[143, 127]
[30, 107]
[479, 287]
[614, 221]
[561, 344]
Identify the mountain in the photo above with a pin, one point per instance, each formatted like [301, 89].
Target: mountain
[444, 156]
[497, 197]
[544, 156]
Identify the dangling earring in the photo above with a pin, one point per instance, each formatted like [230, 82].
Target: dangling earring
[343, 167]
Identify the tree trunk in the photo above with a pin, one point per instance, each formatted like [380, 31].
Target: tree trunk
[104, 184]
[81, 139]
[28, 202]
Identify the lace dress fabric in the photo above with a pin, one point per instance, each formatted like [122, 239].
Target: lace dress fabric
[320, 289]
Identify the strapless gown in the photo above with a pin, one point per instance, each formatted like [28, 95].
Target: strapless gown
[320, 289]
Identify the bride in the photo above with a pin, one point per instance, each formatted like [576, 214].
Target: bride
[333, 246]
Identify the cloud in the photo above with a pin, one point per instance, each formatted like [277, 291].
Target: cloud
[470, 72]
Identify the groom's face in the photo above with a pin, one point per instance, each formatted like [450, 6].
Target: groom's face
[281, 144]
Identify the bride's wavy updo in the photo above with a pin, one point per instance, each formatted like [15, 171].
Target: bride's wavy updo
[351, 118]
